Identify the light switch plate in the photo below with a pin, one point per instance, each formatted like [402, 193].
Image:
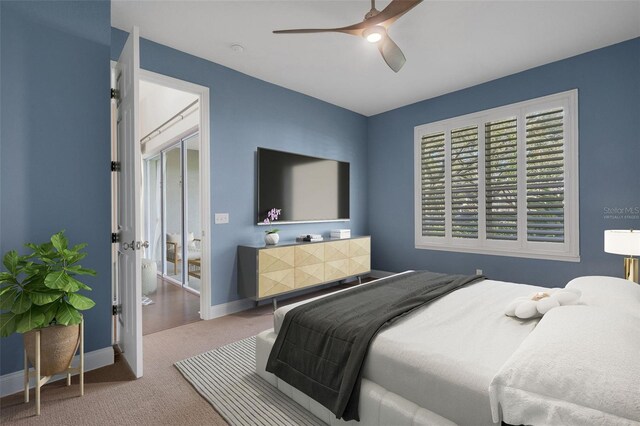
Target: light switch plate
[221, 218]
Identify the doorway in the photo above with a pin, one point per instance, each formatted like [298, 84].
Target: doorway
[187, 300]
[172, 263]
[173, 225]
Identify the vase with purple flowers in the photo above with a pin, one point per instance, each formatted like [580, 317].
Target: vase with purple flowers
[271, 236]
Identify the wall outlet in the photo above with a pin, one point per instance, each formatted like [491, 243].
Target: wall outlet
[221, 218]
[478, 271]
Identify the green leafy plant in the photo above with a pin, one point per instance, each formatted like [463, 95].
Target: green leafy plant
[40, 289]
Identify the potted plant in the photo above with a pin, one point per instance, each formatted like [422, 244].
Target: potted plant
[39, 291]
[271, 235]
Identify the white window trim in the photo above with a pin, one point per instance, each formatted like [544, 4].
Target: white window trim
[568, 251]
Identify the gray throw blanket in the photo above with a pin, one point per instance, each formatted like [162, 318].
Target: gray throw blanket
[321, 346]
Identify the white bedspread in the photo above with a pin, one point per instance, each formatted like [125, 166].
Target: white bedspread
[443, 356]
[594, 376]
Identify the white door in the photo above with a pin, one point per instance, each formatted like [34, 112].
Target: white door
[129, 205]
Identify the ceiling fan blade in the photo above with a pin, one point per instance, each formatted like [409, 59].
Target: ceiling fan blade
[392, 12]
[391, 54]
[306, 31]
[389, 15]
[355, 29]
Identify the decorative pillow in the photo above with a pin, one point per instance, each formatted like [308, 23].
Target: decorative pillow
[608, 292]
[579, 366]
[537, 304]
[177, 238]
[190, 241]
[174, 238]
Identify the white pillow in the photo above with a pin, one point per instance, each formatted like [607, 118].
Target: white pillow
[173, 238]
[579, 366]
[190, 241]
[608, 292]
[177, 238]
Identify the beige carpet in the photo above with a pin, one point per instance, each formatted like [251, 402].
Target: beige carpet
[162, 396]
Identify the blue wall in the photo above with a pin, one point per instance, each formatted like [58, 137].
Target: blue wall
[247, 113]
[54, 149]
[608, 82]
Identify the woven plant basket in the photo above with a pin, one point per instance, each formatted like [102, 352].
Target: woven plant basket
[58, 345]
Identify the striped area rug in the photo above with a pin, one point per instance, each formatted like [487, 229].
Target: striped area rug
[226, 378]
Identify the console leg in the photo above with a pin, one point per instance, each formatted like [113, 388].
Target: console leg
[275, 304]
[359, 279]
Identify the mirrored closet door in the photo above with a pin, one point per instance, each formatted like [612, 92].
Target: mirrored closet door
[172, 208]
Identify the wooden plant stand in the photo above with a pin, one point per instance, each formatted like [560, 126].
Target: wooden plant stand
[41, 381]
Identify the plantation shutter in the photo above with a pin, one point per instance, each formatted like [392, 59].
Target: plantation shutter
[545, 176]
[433, 185]
[464, 182]
[501, 179]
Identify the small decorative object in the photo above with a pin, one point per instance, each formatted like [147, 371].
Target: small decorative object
[271, 235]
[537, 304]
[627, 243]
[39, 297]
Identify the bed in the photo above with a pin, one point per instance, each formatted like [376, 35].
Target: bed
[460, 360]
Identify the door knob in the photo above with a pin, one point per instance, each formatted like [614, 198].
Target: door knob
[135, 245]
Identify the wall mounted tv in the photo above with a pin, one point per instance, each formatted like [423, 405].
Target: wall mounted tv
[307, 189]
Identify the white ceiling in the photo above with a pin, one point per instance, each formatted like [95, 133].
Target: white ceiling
[449, 45]
[159, 104]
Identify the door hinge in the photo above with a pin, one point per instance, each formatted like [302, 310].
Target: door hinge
[115, 166]
[115, 237]
[114, 94]
[116, 309]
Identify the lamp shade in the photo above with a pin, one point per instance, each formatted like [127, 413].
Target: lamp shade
[622, 241]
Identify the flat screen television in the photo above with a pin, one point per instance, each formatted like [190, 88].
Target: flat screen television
[306, 189]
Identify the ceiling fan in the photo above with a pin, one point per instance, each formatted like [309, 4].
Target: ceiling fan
[374, 29]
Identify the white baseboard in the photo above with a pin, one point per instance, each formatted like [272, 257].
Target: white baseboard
[14, 382]
[223, 309]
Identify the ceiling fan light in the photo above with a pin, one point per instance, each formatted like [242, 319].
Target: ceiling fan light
[374, 34]
[374, 37]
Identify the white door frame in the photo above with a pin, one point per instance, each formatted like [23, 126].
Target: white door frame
[205, 181]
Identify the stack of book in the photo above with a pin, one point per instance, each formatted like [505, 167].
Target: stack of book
[309, 238]
[341, 233]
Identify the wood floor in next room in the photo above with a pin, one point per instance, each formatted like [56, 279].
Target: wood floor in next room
[161, 397]
[172, 307]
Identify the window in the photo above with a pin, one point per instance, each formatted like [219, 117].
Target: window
[502, 181]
